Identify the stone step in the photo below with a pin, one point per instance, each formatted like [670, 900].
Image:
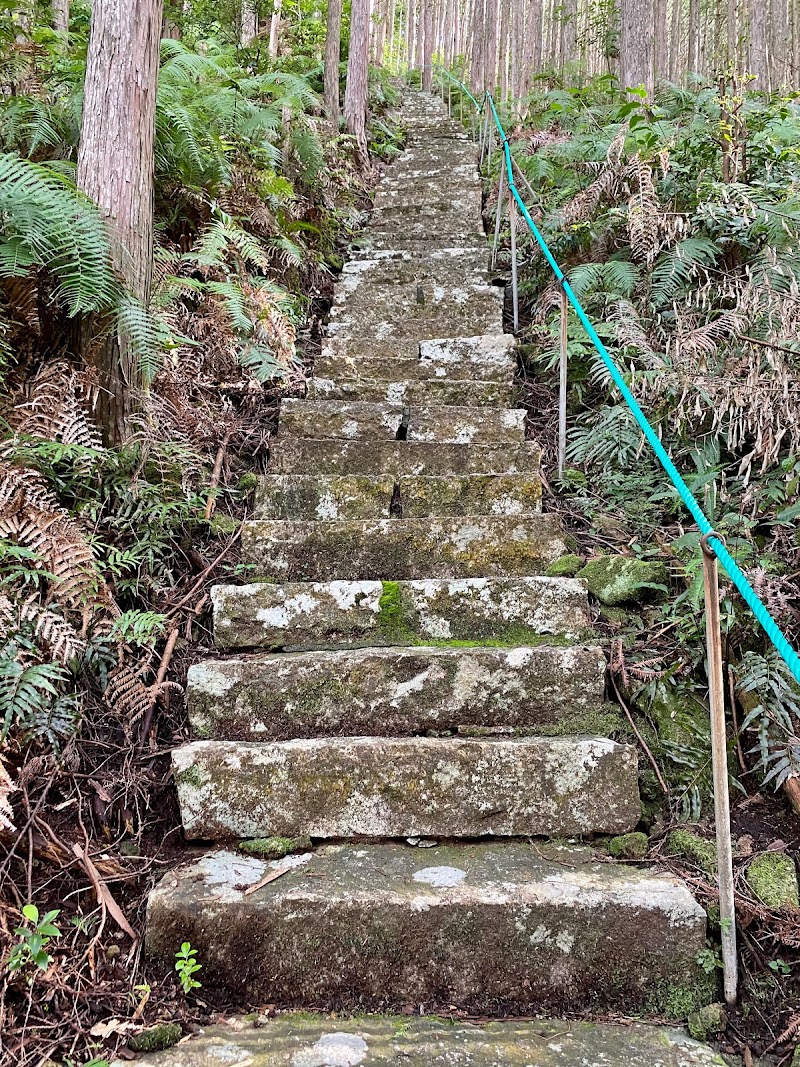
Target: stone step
[496, 928]
[409, 194]
[294, 1040]
[397, 549]
[446, 265]
[393, 692]
[435, 391]
[392, 422]
[361, 292]
[347, 613]
[342, 787]
[487, 358]
[421, 242]
[324, 496]
[470, 311]
[297, 455]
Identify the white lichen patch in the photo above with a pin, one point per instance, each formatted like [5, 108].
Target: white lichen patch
[211, 680]
[440, 877]
[333, 1050]
[230, 1055]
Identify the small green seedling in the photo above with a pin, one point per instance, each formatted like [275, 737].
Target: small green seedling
[33, 939]
[186, 965]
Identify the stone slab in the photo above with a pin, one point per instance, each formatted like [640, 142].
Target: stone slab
[471, 310]
[361, 291]
[375, 787]
[331, 614]
[501, 928]
[393, 692]
[325, 497]
[396, 549]
[323, 1041]
[456, 265]
[298, 455]
[487, 358]
[423, 422]
[426, 391]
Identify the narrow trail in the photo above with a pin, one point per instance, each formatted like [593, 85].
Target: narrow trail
[402, 669]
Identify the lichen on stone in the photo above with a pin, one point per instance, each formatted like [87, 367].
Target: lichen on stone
[565, 567]
[621, 579]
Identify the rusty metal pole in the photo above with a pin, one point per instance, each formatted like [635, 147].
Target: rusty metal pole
[719, 758]
[498, 215]
[562, 387]
[512, 218]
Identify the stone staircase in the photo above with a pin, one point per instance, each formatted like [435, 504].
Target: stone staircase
[401, 671]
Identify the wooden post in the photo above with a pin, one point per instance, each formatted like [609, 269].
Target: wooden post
[719, 758]
[512, 218]
[498, 214]
[562, 387]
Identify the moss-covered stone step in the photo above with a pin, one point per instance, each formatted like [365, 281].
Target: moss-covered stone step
[358, 496]
[290, 1040]
[401, 194]
[422, 241]
[396, 549]
[331, 614]
[425, 391]
[362, 293]
[439, 424]
[511, 928]
[470, 310]
[446, 265]
[341, 787]
[394, 691]
[299, 455]
[487, 358]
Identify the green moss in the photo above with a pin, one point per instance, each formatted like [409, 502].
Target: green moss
[620, 579]
[189, 776]
[391, 619]
[223, 525]
[773, 879]
[694, 848]
[678, 1000]
[565, 567]
[629, 846]
[274, 848]
[247, 483]
[709, 1020]
[155, 1038]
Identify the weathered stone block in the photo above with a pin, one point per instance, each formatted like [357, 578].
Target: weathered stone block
[396, 549]
[309, 496]
[488, 358]
[392, 691]
[299, 455]
[302, 1041]
[436, 424]
[514, 928]
[330, 614]
[467, 311]
[435, 391]
[402, 787]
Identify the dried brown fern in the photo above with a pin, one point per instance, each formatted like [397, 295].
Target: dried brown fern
[643, 213]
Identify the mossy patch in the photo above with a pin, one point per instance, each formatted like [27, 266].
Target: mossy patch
[773, 879]
[565, 567]
[223, 525]
[694, 848]
[274, 848]
[621, 579]
[629, 846]
[679, 1000]
[155, 1038]
[707, 1021]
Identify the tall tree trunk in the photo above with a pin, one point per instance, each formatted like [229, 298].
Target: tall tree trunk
[333, 44]
[116, 167]
[61, 15]
[732, 34]
[427, 46]
[492, 12]
[694, 36]
[636, 44]
[757, 44]
[675, 40]
[249, 23]
[779, 37]
[569, 31]
[478, 65]
[274, 27]
[357, 86]
[660, 50]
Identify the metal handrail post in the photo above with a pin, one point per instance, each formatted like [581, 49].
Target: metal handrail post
[562, 386]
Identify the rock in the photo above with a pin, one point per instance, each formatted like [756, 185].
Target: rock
[391, 691]
[156, 1038]
[377, 787]
[532, 927]
[300, 455]
[398, 549]
[432, 391]
[631, 846]
[707, 1021]
[696, 849]
[335, 614]
[565, 567]
[307, 1040]
[772, 877]
[274, 848]
[621, 579]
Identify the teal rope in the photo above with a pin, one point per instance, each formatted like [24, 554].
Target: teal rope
[771, 628]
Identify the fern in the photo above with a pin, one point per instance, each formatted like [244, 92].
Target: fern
[609, 439]
[27, 692]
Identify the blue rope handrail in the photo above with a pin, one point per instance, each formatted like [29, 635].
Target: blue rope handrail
[749, 595]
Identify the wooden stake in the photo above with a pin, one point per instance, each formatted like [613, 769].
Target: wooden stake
[719, 758]
[562, 388]
[498, 214]
[512, 218]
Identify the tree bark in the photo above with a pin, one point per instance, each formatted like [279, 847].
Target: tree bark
[249, 23]
[357, 86]
[569, 31]
[274, 27]
[779, 36]
[427, 46]
[491, 15]
[478, 65]
[694, 36]
[757, 44]
[61, 15]
[660, 51]
[116, 169]
[636, 44]
[333, 45]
